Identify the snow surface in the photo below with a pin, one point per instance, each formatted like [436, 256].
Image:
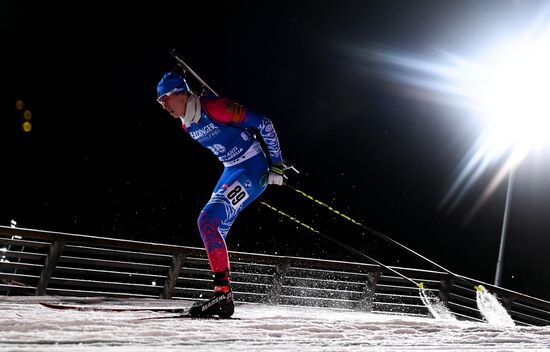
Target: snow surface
[27, 326]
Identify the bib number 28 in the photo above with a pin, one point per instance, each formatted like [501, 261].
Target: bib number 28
[236, 194]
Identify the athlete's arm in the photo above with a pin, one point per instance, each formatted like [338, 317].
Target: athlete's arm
[227, 112]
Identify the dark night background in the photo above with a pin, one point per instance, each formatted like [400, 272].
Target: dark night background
[104, 159]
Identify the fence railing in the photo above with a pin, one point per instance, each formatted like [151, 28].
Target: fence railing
[36, 262]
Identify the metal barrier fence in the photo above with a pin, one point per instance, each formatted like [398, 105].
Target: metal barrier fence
[35, 262]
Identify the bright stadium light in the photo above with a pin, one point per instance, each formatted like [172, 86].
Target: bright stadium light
[513, 95]
[507, 90]
[513, 100]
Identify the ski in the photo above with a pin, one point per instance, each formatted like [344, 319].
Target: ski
[181, 312]
[91, 308]
[188, 316]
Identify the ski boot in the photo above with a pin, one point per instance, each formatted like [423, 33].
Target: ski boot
[221, 304]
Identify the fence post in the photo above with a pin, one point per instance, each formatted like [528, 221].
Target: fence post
[272, 297]
[172, 277]
[446, 284]
[366, 300]
[49, 264]
[507, 301]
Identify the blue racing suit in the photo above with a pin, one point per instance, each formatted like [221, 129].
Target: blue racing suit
[228, 129]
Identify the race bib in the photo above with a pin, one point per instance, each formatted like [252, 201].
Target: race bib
[236, 194]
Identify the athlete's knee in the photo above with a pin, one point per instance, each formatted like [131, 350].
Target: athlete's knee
[203, 217]
[206, 222]
[209, 231]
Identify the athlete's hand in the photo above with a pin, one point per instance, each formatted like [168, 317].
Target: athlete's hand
[276, 175]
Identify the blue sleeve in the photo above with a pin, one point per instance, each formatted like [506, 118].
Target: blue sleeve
[267, 132]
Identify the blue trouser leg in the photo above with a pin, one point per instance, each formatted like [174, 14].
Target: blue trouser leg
[238, 186]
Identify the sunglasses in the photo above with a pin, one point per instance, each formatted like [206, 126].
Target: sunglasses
[162, 99]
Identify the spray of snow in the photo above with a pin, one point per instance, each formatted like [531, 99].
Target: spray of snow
[437, 308]
[28, 326]
[491, 309]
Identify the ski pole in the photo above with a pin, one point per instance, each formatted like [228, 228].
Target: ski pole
[420, 285]
[378, 233]
[436, 307]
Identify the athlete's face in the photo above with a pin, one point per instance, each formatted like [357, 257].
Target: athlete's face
[175, 104]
